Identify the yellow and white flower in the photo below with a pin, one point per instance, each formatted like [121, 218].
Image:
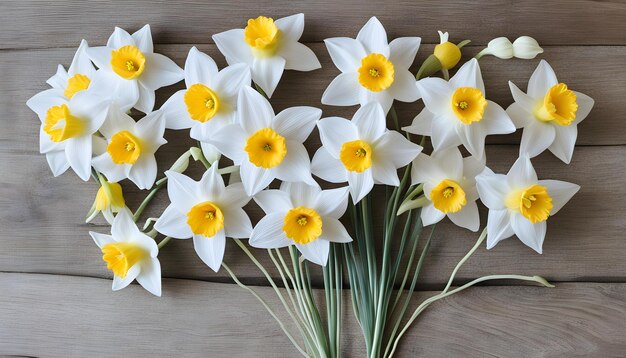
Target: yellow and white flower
[267, 146]
[131, 147]
[301, 215]
[449, 186]
[371, 68]
[130, 254]
[206, 210]
[129, 71]
[520, 204]
[67, 128]
[549, 113]
[77, 77]
[109, 200]
[362, 151]
[457, 111]
[269, 47]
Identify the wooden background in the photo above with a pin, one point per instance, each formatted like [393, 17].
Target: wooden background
[55, 297]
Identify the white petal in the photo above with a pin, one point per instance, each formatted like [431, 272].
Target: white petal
[114, 172]
[230, 141]
[560, 192]
[101, 56]
[370, 122]
[343, 90]
[450, 161]
[469, 76]
[360, 184]
[385, 172]
[403, 87]
[269, 234]
[315, 251]
[125, 93]
[44, 100]
[444, 134]
[467, 217]
[255, 178]
[81, 64]
[182, 190]
[327, 167]
[237, 223]
[374, 37]
[472, 166]
[346, 53]
[394, 148]
[436, 94]
[541, 80]
[150, 129]
[234, 196]
[160, 71]
[532, 235]
[296, 166]
[431, 215]
[150, 276]
[78, 151]
[334, 132]
[498, 227]
[426, 169]
[46, 145]
[210, 249]
[146, 100]
[402, 51]
[297, 123]
[124, 227]
[422, 123]
[116, 121]
[521, 98]
[522, 174]
[212, 184]
[585, 104]
[472, 136]
[58, 162]
[519, 116]
[334, 231]
[273, 201]
[266, 72]
[59, 79]
[90, 107]
[302, 194]
[143, 173]
[230, 80]
[332, 202]
[291, 27]
[298, 57]
[199, 68]
[143, 39]
[120, 38]
[536, 138]
[384, 98]
[120, 283]
[564, 142]
[493, 189]
[173, 223]
[496, 120]
[254, 112]
[210, 152]
[101, 239]
[232, 45]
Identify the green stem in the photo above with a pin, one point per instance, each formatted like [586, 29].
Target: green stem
[164, 242]
[160, 184]
[480, 240]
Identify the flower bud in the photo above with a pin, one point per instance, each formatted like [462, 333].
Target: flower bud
[526, 47]
[181, 164]
[500, 47]
[110, 197]
[446, 52]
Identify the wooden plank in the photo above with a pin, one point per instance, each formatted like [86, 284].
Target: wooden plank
[197, 319]
[594, 70]
[39, 23]
[43, 230]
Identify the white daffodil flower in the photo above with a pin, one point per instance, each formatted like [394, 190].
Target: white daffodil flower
[549, 113]
[269, 47]
[267, 146]
[67, 128]
[372, 70]
[78, 76]
[131, 147]
[449, 186]
[520, 204]
[206, 210]
[457, 112]
[130, 254]
[210, 100]
[302, 215]
[362, 151]
[129, 71]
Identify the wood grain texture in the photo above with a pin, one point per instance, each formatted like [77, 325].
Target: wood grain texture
[46, 316]
[40, 23]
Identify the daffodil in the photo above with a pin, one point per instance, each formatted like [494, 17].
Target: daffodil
[549, 113]
[67, 128]
[268, 47]
[361, 151]
[521, 204]
[457, 111]
[449, 186]
[131, 147]
[206, 210]
[129, 71]
[109, 200]
[372, 70]
[301, 215]
[77, 77]
[130, 254]
[264, 145]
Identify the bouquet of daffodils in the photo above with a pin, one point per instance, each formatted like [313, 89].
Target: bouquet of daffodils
[86, 125]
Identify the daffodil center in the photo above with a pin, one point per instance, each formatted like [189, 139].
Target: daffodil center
[356, 156]
[110, 197]
[262, 35]
[468, 104]
[76, 84]
[559, 106]
[302, 225]
[266, 148]
[448, 196]
[60, 124]
[376, 72]
[205, 219]
[124, 148]
[202, 102]
[533, 202]
[121, 256]
[128, 62]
